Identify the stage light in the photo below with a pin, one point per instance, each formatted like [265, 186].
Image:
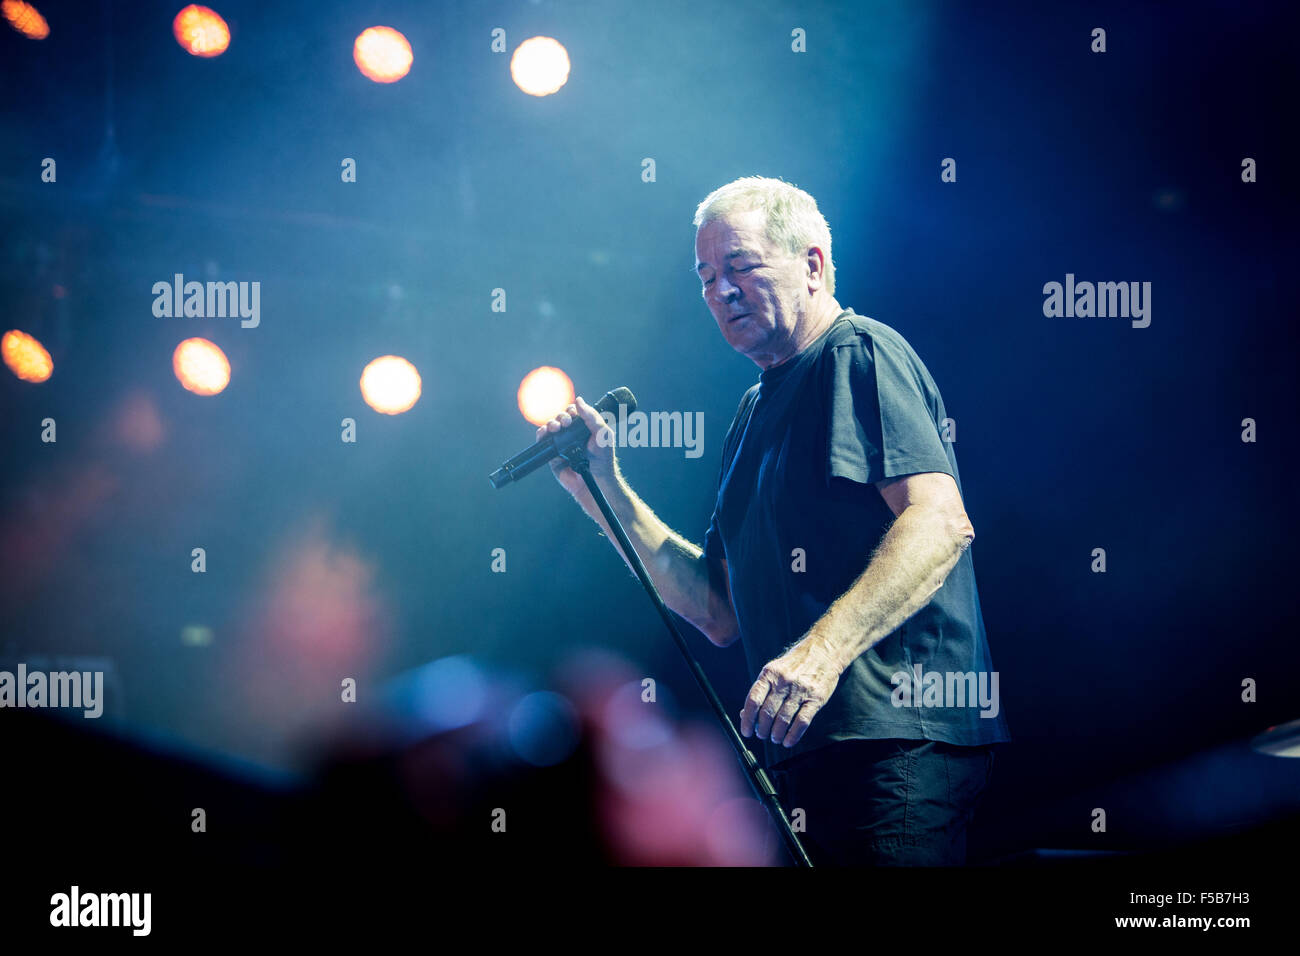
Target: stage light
[382, 54]
[544, 393]
[733, 835]
[201, 366]
[26, 357]
[200, 31]
[390, 384]
[540, 66]
[448, 693]
[543, 728]
[196, 635]
[26, 19]
[136, 423]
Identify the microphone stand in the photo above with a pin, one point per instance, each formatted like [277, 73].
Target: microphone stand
[576, 456]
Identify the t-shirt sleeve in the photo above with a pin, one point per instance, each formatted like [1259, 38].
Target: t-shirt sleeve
[714, 555]
[713, 548]
[880, 420]
[712, 539]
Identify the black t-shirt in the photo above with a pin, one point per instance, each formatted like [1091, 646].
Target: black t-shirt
[798, 517]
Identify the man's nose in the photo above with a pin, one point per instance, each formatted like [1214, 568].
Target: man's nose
[724, 290]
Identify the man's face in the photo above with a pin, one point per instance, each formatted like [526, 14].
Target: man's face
[756, 291]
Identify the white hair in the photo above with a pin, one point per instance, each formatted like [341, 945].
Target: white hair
[794, 222]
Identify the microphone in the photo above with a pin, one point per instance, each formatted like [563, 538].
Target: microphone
[543, 450]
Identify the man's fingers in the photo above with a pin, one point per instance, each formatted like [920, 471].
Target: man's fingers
[578, 410]
[587, 413]
[765, 698]
[784, 717]
[595, 421]
[757, 694]
[776, 699]
[801, 721]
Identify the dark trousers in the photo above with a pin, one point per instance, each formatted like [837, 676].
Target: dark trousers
[885, 802]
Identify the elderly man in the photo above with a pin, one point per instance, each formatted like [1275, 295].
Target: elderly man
[838, 553]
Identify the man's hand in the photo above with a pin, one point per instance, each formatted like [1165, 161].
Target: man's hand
[601, 457]
[788, 694]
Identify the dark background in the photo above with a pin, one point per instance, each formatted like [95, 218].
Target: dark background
[328, 559]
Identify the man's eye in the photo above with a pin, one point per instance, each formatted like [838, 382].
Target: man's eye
[707, 283]
[745, 269]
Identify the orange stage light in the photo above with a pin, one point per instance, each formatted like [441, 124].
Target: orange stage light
[201, 366]
[544, 393]
[25, 18]
[540, 66]
[390, 384]
[26, 357]
[201, 31]
[382, 54]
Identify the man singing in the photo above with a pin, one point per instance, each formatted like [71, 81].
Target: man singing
[838, 552]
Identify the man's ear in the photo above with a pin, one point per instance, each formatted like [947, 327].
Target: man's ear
[816, 268]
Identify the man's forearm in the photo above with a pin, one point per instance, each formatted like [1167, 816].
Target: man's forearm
[677, 567]
[909, 566]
